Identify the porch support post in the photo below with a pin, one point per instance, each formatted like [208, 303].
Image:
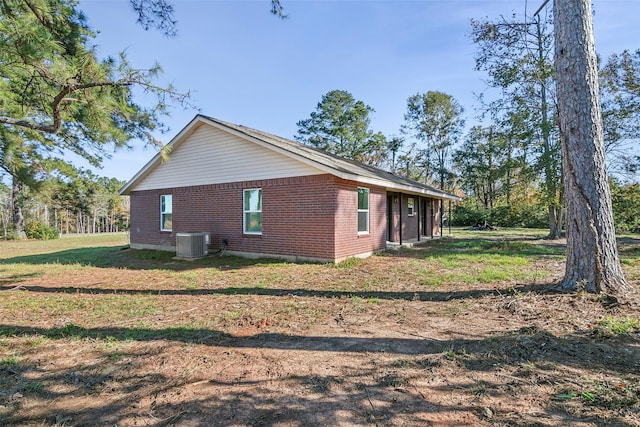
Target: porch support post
[450, 217]
[441, 215]
[432, 217]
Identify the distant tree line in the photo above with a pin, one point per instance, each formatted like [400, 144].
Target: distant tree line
[85, 204]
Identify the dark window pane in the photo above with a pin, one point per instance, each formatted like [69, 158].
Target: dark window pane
[363, 198]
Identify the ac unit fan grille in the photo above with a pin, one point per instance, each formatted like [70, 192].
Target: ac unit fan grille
[192, 245]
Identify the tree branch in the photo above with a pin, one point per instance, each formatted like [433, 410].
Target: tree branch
[56, 106]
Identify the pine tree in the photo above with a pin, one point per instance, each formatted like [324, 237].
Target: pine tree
[592, 256]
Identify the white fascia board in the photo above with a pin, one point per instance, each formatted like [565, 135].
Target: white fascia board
[407, 189]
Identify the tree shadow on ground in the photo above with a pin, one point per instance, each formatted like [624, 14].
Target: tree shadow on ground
[16, 278]
[392, 392]
[524, 344]
[135, 259]
[275, 292]
[354, 399]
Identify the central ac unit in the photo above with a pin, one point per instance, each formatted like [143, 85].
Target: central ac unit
[192, 245]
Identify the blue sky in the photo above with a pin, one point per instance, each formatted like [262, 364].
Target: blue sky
[246, 66]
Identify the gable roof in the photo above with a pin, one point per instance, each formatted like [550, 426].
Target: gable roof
[322, 160]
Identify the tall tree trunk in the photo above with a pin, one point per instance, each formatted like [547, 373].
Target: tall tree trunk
[4, 216]
[592, 256]
[17, 188]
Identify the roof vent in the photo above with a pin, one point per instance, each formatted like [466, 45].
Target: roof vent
[192, 245]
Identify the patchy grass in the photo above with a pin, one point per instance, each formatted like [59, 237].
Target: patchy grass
[616, 326]
[349, 263]
[9, 361]
[462, 330]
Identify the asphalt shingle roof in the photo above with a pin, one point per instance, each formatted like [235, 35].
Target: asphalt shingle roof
[339, 164]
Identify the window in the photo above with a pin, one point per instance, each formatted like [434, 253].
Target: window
[363, 210]
[252, 200]
[166, 212]
[410, 206]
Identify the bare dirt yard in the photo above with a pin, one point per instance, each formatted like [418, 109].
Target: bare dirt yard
[464, 330]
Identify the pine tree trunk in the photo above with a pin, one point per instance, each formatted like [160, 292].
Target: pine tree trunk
[592, 255]
[16, 202]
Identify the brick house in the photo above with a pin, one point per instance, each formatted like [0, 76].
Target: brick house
[264, 195]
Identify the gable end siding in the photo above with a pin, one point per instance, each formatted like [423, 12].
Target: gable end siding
[212, 156]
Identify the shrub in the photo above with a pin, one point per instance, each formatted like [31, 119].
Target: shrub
[520, 215]
[626, 205]
[516, 215]
[466, 216]
[10, 234]
[40, 231]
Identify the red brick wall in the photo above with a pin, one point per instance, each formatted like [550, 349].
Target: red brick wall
[311, 216]
[348, 241]
[297, 216]
[145, 219]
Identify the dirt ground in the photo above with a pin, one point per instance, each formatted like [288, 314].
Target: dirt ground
[116, 337]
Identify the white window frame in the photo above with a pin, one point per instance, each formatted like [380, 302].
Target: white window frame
[410, 206]
[363, 210]
[245, 212]
[163, 198]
